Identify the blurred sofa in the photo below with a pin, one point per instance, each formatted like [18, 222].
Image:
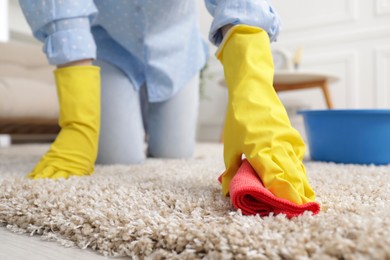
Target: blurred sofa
[28, 101]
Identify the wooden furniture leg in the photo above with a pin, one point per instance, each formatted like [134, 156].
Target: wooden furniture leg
[325, 91]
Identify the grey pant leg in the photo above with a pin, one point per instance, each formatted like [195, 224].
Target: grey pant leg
[172, 124]
[121, 139]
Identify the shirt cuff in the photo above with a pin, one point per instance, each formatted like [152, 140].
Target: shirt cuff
[69, 40]
[249, 12]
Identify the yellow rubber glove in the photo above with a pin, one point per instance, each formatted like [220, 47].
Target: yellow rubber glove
[256, 122]
[74, 151]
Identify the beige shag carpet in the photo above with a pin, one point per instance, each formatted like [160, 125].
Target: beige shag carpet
[173, 209]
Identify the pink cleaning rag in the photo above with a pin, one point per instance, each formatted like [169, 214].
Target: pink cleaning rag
[248, 193]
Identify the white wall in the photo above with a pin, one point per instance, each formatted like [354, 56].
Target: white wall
[4, 32]
[347, 38]
[19, 28]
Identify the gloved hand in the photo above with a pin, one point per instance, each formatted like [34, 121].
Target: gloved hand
[74, 151]
[257, 124]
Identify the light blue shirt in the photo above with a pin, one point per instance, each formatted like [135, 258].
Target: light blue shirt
[154, 42]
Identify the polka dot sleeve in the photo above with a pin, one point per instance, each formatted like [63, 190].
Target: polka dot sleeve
[64, 28]
[69, 40]
[251, 12]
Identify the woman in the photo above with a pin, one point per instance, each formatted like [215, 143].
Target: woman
[150, 53]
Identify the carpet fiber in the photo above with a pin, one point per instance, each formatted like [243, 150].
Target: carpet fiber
[174, 209]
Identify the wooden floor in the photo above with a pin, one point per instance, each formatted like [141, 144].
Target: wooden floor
[22, 246]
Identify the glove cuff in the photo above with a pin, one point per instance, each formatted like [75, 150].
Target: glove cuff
[77, 69]
[242, 28]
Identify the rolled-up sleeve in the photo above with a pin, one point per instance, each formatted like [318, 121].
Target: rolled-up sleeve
[64, 27]
[250, 12]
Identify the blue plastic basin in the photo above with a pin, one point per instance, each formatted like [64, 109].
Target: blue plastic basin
[348, 136]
